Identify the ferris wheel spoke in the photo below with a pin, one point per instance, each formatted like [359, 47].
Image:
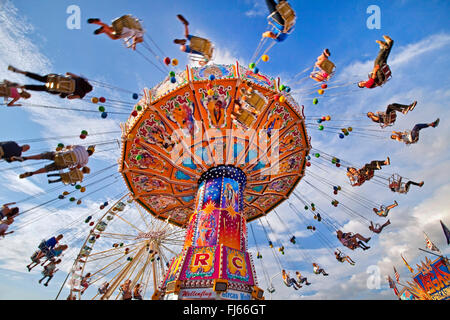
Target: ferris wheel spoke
[109, 264]
[115, 282]
[123, 238]
[142, 270]
[146, 281]
[114, 249]
[142, 216]
[168, 249]
[102, 276]
[117, 234]
[129, 223]
[96, 295]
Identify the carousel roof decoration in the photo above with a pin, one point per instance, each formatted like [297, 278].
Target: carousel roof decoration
[180, 130]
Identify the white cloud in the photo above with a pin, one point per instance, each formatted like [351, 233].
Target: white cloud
[258, 9]
[20, 185]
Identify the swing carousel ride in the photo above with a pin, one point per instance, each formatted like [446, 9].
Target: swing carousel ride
[206, 154]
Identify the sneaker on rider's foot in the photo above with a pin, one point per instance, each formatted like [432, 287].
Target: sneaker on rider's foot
[92, 20]
[412, 106]
[11, 68]
[387, 39]
[435, 123]
[182, 19]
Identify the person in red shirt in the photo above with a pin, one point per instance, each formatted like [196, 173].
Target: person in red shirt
[377, 77]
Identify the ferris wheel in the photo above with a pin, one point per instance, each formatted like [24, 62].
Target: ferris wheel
[124, 246]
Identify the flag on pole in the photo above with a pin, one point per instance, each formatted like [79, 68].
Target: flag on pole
[430, 245]
[392, 285]
[446, 231]
[391, 282]
[397, 276]
[407, 265]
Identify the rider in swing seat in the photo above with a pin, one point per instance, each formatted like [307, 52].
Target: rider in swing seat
[70, 86]
[197, 45]
[381, 72]
[282, 19]
[126, 27]
[358, 177]
[325, 66]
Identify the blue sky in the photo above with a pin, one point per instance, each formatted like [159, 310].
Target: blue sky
[35, 37]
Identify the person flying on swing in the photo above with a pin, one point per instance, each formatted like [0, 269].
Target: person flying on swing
[358, 177]
[7, 212]
[378, 76]
[301, 279]
[73, 157]
[411, 137]
[318, 270]
[388, 117]
[401, 187]
[9, 90]
[377, 228]
[342, 258]
[383, 211]
[325, 66]
[11, 151]
[69, 86]
[126, 27]
[197, 46]
[352, 241]
[288, 281]
[284, 25]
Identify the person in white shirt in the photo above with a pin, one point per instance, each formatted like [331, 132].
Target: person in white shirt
[410, 137]
[318, 269]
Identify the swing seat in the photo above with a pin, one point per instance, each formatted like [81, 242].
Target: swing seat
[49, 254]
[43, 247]
[120, 206]
[386, 71]
[407, 138]
[324, 71]
[271, 289]
[5, 90]
[256, 101]
[360, 178]
[126, 21]
[388, 119]
[202, 45]
[60, 84]
[85, 251]
[327, 66]
[244, 117]
[101, 226]
[72, 177]
[287, 13]
[396, 180]
[66, 159]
